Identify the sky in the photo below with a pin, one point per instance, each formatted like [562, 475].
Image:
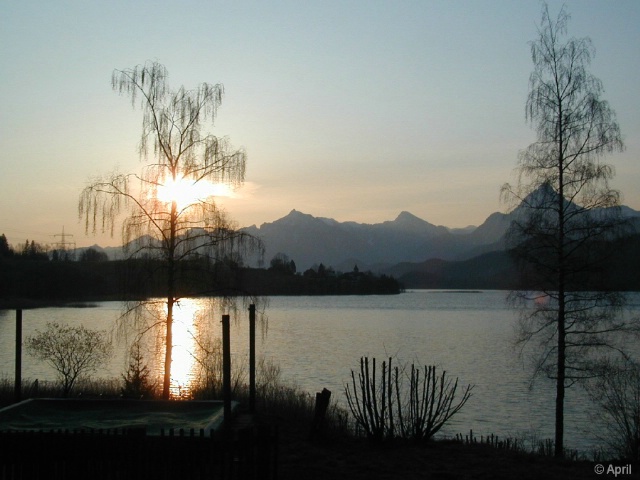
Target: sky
[353, 110]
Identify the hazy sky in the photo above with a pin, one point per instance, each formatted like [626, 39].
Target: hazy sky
[354, 110]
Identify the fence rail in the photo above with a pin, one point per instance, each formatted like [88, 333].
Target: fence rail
[124, 454]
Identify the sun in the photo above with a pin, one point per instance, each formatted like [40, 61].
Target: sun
[186, 192]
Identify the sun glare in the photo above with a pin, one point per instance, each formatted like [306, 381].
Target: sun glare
[185, 192]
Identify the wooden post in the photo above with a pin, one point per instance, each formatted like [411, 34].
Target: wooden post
[18, 375]
[252, 358]
[226, 371]
[322, 403]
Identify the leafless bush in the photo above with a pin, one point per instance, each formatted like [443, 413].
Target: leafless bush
[390, 409]
[71, 351]
[208, 358]
[616, 391]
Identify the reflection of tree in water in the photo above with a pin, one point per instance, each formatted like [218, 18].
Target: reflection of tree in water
[197, 342]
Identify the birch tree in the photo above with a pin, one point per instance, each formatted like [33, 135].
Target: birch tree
[566, 212]
[167, 210]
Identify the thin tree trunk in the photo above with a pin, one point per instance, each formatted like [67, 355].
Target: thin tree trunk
[560, 381]
[166, 384]
[171, 299]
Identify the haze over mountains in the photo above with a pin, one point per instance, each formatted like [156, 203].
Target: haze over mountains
[310, 240]
[400, 247]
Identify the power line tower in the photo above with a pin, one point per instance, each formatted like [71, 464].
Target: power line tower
[63, 243]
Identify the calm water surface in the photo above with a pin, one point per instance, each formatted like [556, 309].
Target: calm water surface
[317, 341]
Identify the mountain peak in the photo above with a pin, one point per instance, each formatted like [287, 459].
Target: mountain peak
[405, 216]
[294, 217]
[409, 223]
[294, 213]
[409, 220]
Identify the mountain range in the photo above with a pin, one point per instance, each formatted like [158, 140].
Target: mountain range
[398, 246]
[310, 240]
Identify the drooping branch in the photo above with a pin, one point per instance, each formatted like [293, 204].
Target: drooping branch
[177, 145]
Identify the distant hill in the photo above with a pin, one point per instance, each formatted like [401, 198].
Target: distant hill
[496, 270]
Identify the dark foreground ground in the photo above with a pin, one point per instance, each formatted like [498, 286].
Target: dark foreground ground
[336, 455]
[355, 459]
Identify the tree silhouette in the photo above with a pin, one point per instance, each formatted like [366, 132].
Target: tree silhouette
[283, 264]
[181, 154]
[72, 351]
[5, 248]
[566, 211]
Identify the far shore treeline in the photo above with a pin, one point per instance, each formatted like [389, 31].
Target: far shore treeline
[37, 276]
[31, 273]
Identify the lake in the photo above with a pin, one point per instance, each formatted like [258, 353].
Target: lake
[317, 341]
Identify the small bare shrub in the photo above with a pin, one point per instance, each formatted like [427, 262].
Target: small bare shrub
[432, 402]
[71, 351]
[616, 391]
[389, 409]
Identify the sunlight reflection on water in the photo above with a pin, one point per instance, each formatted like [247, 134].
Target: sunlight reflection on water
[185, 319]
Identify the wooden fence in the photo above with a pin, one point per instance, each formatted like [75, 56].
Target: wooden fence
[128, 454]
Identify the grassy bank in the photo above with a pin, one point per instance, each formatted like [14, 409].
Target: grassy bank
[340, 452]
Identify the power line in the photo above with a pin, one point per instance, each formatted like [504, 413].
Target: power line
[63, 243]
